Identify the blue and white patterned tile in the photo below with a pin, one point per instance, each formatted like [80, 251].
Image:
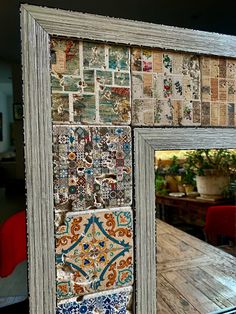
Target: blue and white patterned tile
[111, 302]
[92, 167]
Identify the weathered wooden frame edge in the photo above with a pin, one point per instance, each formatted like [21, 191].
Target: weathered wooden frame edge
[37, 24]
[128, 32]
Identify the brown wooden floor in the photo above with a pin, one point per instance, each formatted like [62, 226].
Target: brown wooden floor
[192, 276]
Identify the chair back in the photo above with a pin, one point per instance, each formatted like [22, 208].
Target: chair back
[13, 248]
[220, 221]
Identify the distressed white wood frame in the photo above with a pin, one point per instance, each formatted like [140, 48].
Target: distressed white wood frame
[37, 25]
[146, 142]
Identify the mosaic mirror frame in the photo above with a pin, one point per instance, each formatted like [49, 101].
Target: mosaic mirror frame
[37, 25]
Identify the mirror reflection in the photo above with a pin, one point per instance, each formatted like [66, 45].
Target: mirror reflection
[196, 230]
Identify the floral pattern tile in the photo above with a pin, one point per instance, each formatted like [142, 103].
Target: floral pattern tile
[92, 167]
[113, 302]
[94, 252]
[95, 79]
[165, 88]
[218, 90]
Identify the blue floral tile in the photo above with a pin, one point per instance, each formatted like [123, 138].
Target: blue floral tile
[115, 302]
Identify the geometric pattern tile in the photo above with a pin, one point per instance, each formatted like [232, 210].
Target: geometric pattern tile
[113, 302]
[94, 80]
[92, 167]
[94, 252]
[165, 88]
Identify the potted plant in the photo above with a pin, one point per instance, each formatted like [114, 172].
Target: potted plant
[213, 168]
[173, 174]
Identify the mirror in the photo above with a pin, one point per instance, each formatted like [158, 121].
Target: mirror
[186, 261]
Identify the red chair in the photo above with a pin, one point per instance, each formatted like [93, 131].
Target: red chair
[13, 248]
[220, 222]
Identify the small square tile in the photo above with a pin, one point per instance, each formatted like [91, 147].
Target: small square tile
[119, 58]
[114, 105]
[121, 79]
[93, 55]
[71, 84]
[104, 77]
[84, 108]
[60, 107]
[65, 56]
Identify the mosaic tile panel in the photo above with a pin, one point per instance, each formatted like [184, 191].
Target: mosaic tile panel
[165, 88]
[92, 167]
[95, 78]
[94, 252]
[218, 91]
[116, 302]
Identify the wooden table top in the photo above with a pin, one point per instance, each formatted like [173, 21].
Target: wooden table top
[192, 276]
